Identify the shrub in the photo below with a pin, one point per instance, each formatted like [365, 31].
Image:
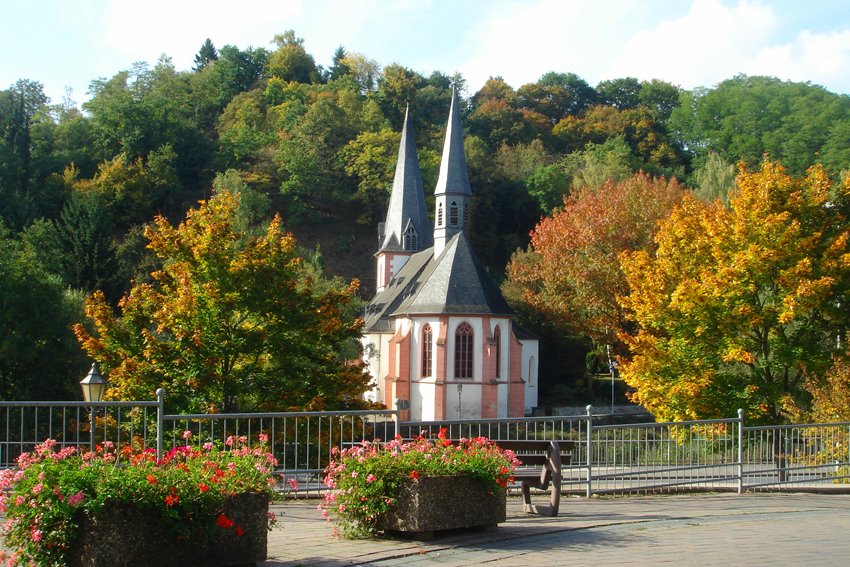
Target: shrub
[52, 487]
[365, 479]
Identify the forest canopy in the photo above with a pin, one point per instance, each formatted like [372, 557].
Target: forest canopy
[82, 189]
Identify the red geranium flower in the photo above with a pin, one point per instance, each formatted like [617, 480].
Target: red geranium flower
[224, 522]
[414, 475]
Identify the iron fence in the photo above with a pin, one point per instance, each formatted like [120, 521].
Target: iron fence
[605, 458]
[79, 424]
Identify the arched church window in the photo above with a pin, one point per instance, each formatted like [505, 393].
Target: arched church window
[453, 214]
[463, 351]
[427, 341]
[410, 239]
[497, 336]
[440, 214]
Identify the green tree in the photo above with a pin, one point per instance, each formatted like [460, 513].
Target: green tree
[737, 305]
[598, 164]
[231, 322]
[79, 245]
[19, 107]
[744, 118]
[39, 359]
[715, 179]
[620, 93]
[371, 158]
[290, 61]
[206, 55]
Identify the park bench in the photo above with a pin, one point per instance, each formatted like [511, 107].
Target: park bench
[541, 466]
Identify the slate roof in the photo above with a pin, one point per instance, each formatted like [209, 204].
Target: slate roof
[407, 197]
[453, 178]
[453, 283]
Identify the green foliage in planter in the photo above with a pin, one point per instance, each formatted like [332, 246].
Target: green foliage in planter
[52, 487]
[366, 479]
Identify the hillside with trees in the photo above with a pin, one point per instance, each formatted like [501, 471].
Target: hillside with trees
[84, 191]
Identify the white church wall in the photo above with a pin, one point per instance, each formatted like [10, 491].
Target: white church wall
[376, 349]
[503, 400]
[530, 358]
[467, 405]
[397, 262]
[422, 403]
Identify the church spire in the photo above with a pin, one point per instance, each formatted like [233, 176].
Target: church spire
[407, 226]
[453, 191]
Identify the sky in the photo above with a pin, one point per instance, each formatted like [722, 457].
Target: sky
[691, 43]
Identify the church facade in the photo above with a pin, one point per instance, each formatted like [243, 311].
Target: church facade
[439, 338]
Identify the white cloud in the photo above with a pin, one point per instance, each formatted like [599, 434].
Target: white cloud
[522, 41]
[142, 31]
[712, 42]
[819, 58]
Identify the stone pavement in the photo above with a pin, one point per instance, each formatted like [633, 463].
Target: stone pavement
[696, 529]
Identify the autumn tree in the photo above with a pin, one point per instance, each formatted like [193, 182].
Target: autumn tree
[571, 271]
[231, 322]
[738, 304]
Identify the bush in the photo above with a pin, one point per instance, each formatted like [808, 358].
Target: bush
[46, 497]
[366, 479]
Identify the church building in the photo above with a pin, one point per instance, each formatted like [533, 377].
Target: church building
[439, 337]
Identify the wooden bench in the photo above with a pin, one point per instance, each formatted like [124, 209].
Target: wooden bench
[548, 456]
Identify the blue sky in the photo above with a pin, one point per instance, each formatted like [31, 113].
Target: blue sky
[69, 43]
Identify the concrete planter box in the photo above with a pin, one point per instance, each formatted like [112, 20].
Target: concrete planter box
[432, 504]
[123, 535]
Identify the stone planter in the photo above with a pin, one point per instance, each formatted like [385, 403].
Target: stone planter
[123, 535]
[432, 504]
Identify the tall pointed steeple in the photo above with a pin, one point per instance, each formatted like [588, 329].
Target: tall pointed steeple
[407, 229]
[406, 226]
[453, 192]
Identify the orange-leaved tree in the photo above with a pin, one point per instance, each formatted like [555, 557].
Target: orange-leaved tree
[571, 272]
[232, 321]
[736, 305]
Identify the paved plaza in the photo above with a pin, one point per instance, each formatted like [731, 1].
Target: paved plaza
[698, 529]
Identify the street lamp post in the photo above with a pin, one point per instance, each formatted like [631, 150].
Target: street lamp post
[459, 393]
[93, 386]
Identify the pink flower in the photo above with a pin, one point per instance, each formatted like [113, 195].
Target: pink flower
[37, 488]
[76, 499]
[36, 535]
[187, 434]
[264, 437]
[208, 446]
[371, 478]
[293, 483]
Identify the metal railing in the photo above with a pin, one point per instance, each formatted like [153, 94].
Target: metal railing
[302, 442]
[79, 424]
[605, 458]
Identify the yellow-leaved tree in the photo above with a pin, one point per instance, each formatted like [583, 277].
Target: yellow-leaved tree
[736, 305]
[233, 321]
